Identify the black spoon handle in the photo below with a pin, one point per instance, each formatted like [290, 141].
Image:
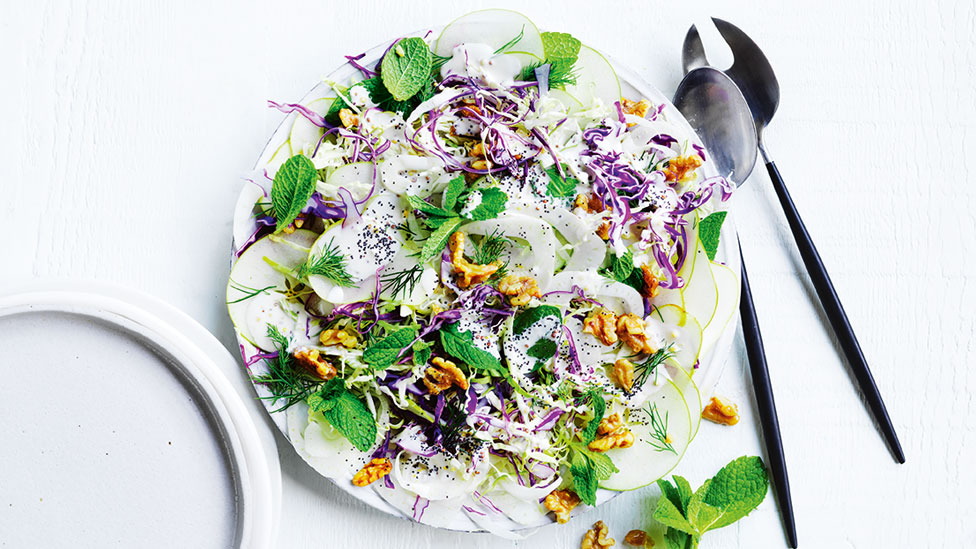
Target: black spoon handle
[767, 407]
[835, 314]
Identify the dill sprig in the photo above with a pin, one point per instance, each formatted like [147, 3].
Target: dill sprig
[453, 422]
[561, 73]
[659, 431]
[402, 281]
[330, 264]
[283, 379]
[644, 370]
[511, 42]
[247, 291]
[491, 248]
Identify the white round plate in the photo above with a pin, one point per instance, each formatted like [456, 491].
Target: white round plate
[125, 428]
[632, 85]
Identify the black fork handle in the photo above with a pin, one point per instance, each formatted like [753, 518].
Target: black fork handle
[836, 315]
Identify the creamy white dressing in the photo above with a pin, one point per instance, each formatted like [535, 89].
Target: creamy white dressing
[480, 61]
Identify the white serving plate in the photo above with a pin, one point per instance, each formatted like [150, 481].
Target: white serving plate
[141, 438]
[632, 86]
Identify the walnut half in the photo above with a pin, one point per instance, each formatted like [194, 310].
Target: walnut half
[630, 330]
[720, 410]
[561, 502]
[372, 471]
[442, 375]
[468, 273]
[597, 537]
[614, 435]
[602, 323]
[520, 289]
[314, 363]
[623, 374]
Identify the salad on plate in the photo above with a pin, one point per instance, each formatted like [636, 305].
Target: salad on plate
[475, 280]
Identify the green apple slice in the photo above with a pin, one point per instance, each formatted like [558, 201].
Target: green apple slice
[595, 78]
[303, 132]
[662, 429]
[255, 294]
[534, 244]
[699, 293]
[495, 28]
[682, 331]
[727, 285]
[357, 178]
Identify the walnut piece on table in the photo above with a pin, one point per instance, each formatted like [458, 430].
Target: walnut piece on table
[372, 471]
[597, 537]
[722, 411]
[638, 538]
[561, 502]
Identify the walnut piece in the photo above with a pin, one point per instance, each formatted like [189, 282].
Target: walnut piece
[479, 165]
[623, 374]
[638, 108]
[348, 118]
[468, 273]
[596, 537]
[593, 204]
[630, 330]
[638, 538]
[650, 282]
[720, 410]
[520, 289]
[615, 435]
[602, 323]
[333, 336]
[372, 471]
[561, 502]
[295, 225]
[680, 168]
[314, 363]
[442, 375]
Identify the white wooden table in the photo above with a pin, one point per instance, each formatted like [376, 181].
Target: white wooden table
[125, 127]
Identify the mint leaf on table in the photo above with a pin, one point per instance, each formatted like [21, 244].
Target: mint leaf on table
[559, 186]
[676, 539]
[737, 489]
[709, 230]
[454, 189]
[406, 67]
[492, 203]
[672, 517]
[438, 239]
[344, 411]
[293, 185]
[460, 345]
[383, 353]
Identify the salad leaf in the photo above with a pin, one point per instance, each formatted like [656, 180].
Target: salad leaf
[344, 411]
[599, 406]
[421, 352]
[737, 489]
[584, 476]
[542, 350]
[492, 203]
[293, 185]
[672, 517]
[406, 67]
[530, 316]
[561, 45]
[383, 353]
[621, 267]
[559, 186]
[709, 230]
[460, 345]
[422, 205]
[454, 189]
[438, 239]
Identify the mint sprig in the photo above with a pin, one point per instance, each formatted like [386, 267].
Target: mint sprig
[447, 219]
[293, 185]
[722, 500]
[406, 67]
[559, 186]
[709, 230]
[588, 468]
[493, 201]
[383, 353]
[460, 345]
[344, 411]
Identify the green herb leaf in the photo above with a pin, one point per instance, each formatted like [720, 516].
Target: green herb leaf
[438, 239]
[460, 345]
[709, 230]
[530, 316]
[454, 189]
[671, 492]
[737, 489]
[560, 45]
[344, 411]
[584, 478]
[599, 406]
[293, 185]
[543, 349]
[383, 353]
[684, 491]
[421, 352]
[669, 515]
[285, 381]
[492, 203]
[406, 67]
[621, 267]
[330, 264]
[559, 186]
[418, 203]
[676, 539]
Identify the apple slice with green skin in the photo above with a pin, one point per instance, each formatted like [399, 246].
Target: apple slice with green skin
[255, 294]
[303, 132]
[667, 296]
[534, 247]
[727, 285]
[595, 78]
[686, 384]
[357, 178]
[680, 329]
[699, 293]
[495, 28]
[662, 429]
[281, 154]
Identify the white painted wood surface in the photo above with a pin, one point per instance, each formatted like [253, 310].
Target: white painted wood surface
[125, 126]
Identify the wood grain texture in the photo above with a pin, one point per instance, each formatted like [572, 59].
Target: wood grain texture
[126, 127]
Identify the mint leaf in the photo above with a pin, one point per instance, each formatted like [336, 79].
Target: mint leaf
[418, 203]
[438, 239]
[293, 185]
[406, 67]
[559, 186]
[421, 352]
[671, 492]
[669, 515]
[492, 203]
[386, 351]
[737, 489]
[599, 406]
[543, 349]
[584, 478]
[676, 539]
[709, 230]
[454, 189]
[695, 505]
[603, 466]
[684, 491]
[344, 411]
[560, 45]
[528, 317]
[460, 345]
[621, 267]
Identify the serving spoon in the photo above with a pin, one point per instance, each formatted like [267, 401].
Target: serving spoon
[754, 76]
[716, 109]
